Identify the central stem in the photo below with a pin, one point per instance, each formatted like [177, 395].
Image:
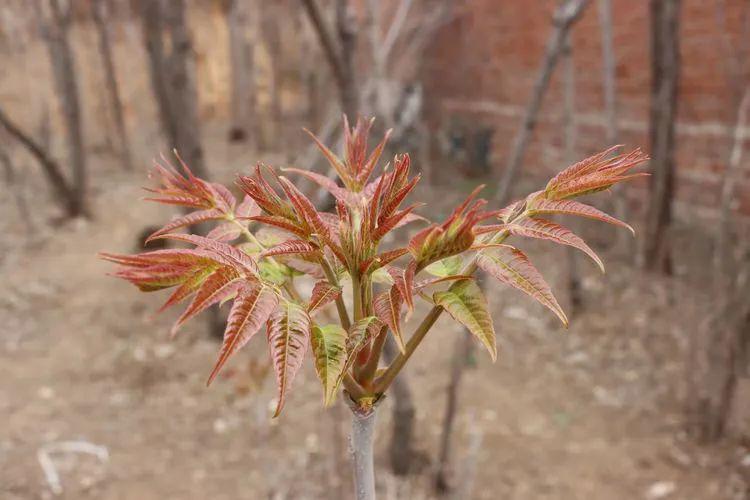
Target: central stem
[363, 433]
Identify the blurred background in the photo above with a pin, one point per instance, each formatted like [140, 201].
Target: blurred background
[646, 395]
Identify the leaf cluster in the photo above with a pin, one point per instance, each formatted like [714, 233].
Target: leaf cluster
[258, 247]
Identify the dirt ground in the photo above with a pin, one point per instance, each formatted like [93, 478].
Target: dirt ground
[592, 412]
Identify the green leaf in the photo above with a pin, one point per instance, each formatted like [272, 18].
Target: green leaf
[288, 330]
[511, 266]
[466, 303]
[274, 272]
[446, 267]
[329, 347]
[382, 276]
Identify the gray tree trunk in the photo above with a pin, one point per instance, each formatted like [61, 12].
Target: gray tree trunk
[575, 292]
[272, 14]
[172, 69]
[733, 173]
[100, 9]
[19, 193]
[240, 22]
[665, 64]
[55, 27]
[362, 452]
[609, 87]
[718, 355]
[400, 448]
[339, 51]
[461, 353]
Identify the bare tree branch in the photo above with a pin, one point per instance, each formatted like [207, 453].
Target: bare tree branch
[565, 16]
[60, 187]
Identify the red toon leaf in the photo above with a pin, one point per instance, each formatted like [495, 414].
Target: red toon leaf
[252, 307]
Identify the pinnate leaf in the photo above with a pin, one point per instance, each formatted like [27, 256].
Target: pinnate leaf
[222, 252]
[288, 336]
[213, 289]
[329, 348]
[323, 293]
[466, 303]
[189, 286]
[291, 247]
[248, 208]
[188, 220]
[387, 307]
[403, 279]
[546, 230]
[446, 267]
[225, 232]
[511, 266]
[360, 334]
[572, 207]
[252, 307]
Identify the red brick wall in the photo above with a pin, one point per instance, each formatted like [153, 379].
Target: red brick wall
[480, 69]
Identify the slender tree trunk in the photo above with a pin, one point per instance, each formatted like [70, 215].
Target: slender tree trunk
[665, 53]
[173, 77]
[732, 174]
[61, 190]
[718, 353]
[19, 193]
[609, 89]
[172, 70]
[242, 60]
[347, 32]
[575, 294]
[55, 30]
[362, 439]
[100, 10]
[461, 354]
[274, 43]
[565, 16]
[400, 449]
[340, 55]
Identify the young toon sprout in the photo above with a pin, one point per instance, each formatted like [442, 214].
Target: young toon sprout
[259, 246]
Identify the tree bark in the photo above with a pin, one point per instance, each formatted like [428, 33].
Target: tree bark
[362, 439]
[665, 64]
[274, 43]
[575, 293]
[55, 27]
[100, 9]
[565, 16]
[461, 353]
[18, 191]
[340, 58]
[718, 353]
[172, 70]
[732, 175]
[400, 449]
[612, 134]
[242, 61]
